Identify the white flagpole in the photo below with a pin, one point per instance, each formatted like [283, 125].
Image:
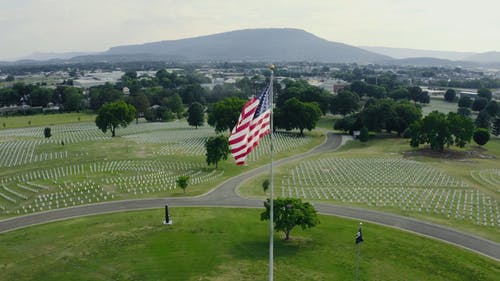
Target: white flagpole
[271, 190]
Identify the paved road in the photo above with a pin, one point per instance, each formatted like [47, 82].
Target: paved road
[225, 195]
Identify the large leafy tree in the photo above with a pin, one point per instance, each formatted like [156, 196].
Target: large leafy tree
[302, 91]
[72, 99]
[465, 101]
[483, 120]
[379, 114]
[295, 114]
[450, 95]
[496, 126]
[479, 103]
[114, 115]
[224, 114]
[400, 93]
[376, 92]
[289, 213]
[141, 103]
[359, 87]
[217, 149]
[406, 113]
[439, 130]
[196, 115]
[481, 136]
[484, 93]
[344, 103]
[174, 103]
[492, 108]
[462, 128]
[102, 94]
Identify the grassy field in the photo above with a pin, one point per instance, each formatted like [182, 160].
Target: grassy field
[226, 244]
[437, 193]
[439, 104]
[80, 164]
[14, 122]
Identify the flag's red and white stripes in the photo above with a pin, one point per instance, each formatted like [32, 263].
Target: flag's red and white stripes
[251, 127]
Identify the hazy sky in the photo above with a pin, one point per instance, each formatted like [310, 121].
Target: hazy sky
[29, 26]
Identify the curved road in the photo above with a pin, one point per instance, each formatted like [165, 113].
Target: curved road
[225, 195]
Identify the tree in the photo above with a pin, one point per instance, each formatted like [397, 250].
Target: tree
[462, 128]
[464, 101]
[174, 103]
[450, 95]
[439, 130]
[47, 132]
[72, 98]
[224, 114]
[433, 129]
[182, 182]
[406, 113]
[380, 115]
[196, 115]
[349, 123]
[359, 87]
[481, 136]
[484, 93]
[400, 93]
[483, 120]
[113, 115]
[377, 92]
[344, 103]
[290, 212]
[415, 93]
[363, 134]
[217, 149]
[295, 114]
[141, 104]
[495, 128]
[464, 111]
[492, 108]
[102, 94]
[479, 104]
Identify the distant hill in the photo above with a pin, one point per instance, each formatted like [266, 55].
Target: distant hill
[40, 56]
[488, 57]
[404, 53]
[273, 44]
[426, 61]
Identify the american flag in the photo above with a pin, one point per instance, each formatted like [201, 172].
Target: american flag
[253, 124]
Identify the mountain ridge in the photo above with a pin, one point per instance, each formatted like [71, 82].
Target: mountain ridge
[275, 44]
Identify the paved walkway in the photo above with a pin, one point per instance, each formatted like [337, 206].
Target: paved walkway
[225, 195]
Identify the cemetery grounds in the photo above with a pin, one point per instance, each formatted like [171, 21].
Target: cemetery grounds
[39, 174]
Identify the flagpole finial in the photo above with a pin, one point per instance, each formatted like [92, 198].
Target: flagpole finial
[271, 67]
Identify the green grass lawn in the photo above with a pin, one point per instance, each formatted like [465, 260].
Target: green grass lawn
[226, 244]
[439, 104]
[13, 122]
[162, 146]
[395, 148]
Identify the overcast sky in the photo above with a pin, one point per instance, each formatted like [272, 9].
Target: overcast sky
[29, 26]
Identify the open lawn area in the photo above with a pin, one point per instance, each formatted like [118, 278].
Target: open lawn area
[79, 164]
[226, 244]
[459, 188]
[439, 104]
[13, 122]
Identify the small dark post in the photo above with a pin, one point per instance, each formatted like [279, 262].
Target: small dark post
[167, 217]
